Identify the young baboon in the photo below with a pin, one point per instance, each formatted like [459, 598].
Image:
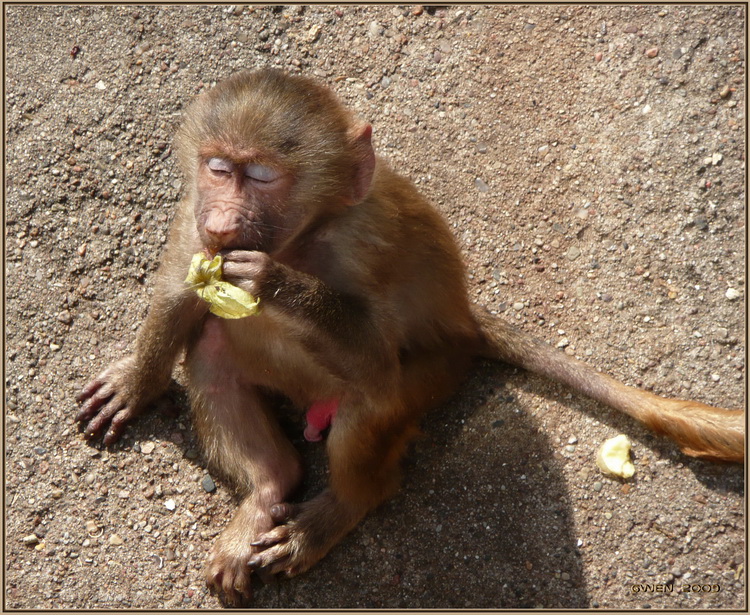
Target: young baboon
[364, 318]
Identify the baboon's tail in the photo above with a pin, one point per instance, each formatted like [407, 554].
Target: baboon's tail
[700, 430]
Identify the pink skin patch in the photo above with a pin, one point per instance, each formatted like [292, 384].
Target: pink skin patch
[319, 417]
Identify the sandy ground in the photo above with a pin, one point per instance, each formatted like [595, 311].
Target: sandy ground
[591, 161]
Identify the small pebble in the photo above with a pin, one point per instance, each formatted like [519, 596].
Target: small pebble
[115, 540]
[314, 33]
[598, 56]
[31, 539]
[597, 486]
[208, 484]
[481, 186]
[170, 504]
[725, 92]
[652, 53]
[142, 48]
[518, 306]
[147, 448]
[573, 253]
[732, 294]
[570, 448]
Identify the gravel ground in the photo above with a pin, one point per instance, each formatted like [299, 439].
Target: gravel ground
[592, 163]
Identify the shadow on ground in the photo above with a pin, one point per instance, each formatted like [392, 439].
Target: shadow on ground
[482, 521]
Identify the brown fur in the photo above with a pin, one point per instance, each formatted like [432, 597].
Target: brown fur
[362, 299]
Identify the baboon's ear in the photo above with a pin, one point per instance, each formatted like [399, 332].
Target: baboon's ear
[364, 158]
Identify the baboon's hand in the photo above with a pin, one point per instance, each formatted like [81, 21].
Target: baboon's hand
[113, 398]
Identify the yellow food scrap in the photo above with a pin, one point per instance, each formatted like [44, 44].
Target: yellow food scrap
[614, 457]
[226, 300]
